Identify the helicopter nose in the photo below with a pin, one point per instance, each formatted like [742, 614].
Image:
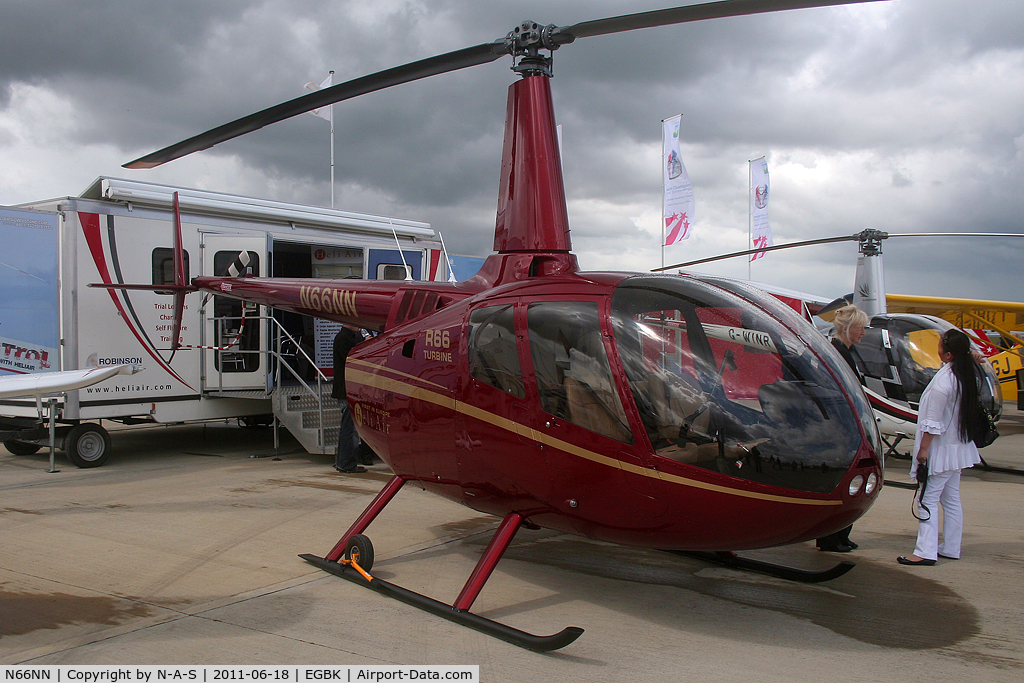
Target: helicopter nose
[860, 487]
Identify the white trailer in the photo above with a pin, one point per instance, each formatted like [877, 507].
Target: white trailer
[122, 232]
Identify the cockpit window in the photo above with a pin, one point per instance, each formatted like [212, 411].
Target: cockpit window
[493, 356]
[811, 336]
[721, 385]
[903, 354]
[917, 355]
[873, 354]
[574, 378]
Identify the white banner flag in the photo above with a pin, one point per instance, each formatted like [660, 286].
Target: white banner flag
[678, 203]
[760, 230]
[322, 112]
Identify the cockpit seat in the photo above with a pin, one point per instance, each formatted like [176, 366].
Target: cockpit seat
[677, 416]
[676, 407]
[590, 411]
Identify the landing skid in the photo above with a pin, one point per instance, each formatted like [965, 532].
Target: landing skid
[450, 612]
[985, 467]
[734, 561]
[352, 558]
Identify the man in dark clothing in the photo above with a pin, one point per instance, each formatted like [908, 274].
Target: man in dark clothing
[346, 458]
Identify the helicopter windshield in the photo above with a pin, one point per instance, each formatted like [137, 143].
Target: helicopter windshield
[902, 350]
[719, 384]
[917, 354]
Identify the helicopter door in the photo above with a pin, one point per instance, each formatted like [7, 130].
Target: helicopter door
[580, 403]
[230, 322]
[496, 388]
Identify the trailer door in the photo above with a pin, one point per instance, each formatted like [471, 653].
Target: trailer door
[232, 323]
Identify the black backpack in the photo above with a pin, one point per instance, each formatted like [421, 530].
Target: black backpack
[982, 429]
[981, 426]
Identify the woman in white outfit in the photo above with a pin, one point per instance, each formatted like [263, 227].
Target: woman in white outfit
[942, 445]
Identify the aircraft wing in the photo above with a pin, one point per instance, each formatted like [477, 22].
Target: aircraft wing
[42, 383]
[1002, 316]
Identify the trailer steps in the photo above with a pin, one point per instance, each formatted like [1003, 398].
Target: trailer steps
[255, 394]
[297, 408]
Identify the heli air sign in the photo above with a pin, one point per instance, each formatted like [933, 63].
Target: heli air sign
[29, 314]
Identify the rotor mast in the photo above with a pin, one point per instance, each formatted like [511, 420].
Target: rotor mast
[532, 214]
[869, 285]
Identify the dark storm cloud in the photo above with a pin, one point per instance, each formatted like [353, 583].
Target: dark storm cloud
[137, 43]
[906, 116]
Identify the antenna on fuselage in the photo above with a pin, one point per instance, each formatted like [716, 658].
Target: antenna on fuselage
[448, 261]
[408, 273]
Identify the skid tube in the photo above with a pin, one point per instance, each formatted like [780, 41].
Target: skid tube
[734, 561]
[985, 467]
[459, 612]
[487, 626]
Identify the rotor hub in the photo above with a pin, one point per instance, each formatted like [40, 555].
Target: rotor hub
[870, 241]
[525, 42]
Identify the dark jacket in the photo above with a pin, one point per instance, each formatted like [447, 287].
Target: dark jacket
[851, 356]
[343, 343]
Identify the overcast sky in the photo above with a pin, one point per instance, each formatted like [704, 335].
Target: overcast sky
[906, 116]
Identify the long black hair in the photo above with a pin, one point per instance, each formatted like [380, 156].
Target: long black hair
[959, 344]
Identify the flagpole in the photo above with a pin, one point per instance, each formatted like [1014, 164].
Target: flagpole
[332, 145]
[663, 162]
[750, 215]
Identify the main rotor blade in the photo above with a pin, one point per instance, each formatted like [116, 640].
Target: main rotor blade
[954, 234]
[722, 257]
[432, 66]
[845, 238]
[681, 15]
[461, 59]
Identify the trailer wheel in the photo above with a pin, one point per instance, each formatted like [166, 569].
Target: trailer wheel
[21, 447]
[255, 421]
[87, 445]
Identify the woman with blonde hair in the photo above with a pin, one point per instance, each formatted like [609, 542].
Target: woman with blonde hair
[850, 323]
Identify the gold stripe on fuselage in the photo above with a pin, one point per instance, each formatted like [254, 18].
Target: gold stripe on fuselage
[376, 379]
[373, 368]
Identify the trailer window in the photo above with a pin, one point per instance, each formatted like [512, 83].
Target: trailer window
[163, 267]
[394, 271]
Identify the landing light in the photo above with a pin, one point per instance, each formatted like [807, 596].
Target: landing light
[869, 488]
[855, 484]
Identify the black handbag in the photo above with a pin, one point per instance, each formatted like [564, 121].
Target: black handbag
[982, 429]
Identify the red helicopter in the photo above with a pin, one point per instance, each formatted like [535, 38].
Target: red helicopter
[676, 413]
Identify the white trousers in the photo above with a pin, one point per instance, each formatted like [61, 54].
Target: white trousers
[943, 489]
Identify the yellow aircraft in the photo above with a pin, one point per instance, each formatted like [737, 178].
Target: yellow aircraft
[975, 316]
